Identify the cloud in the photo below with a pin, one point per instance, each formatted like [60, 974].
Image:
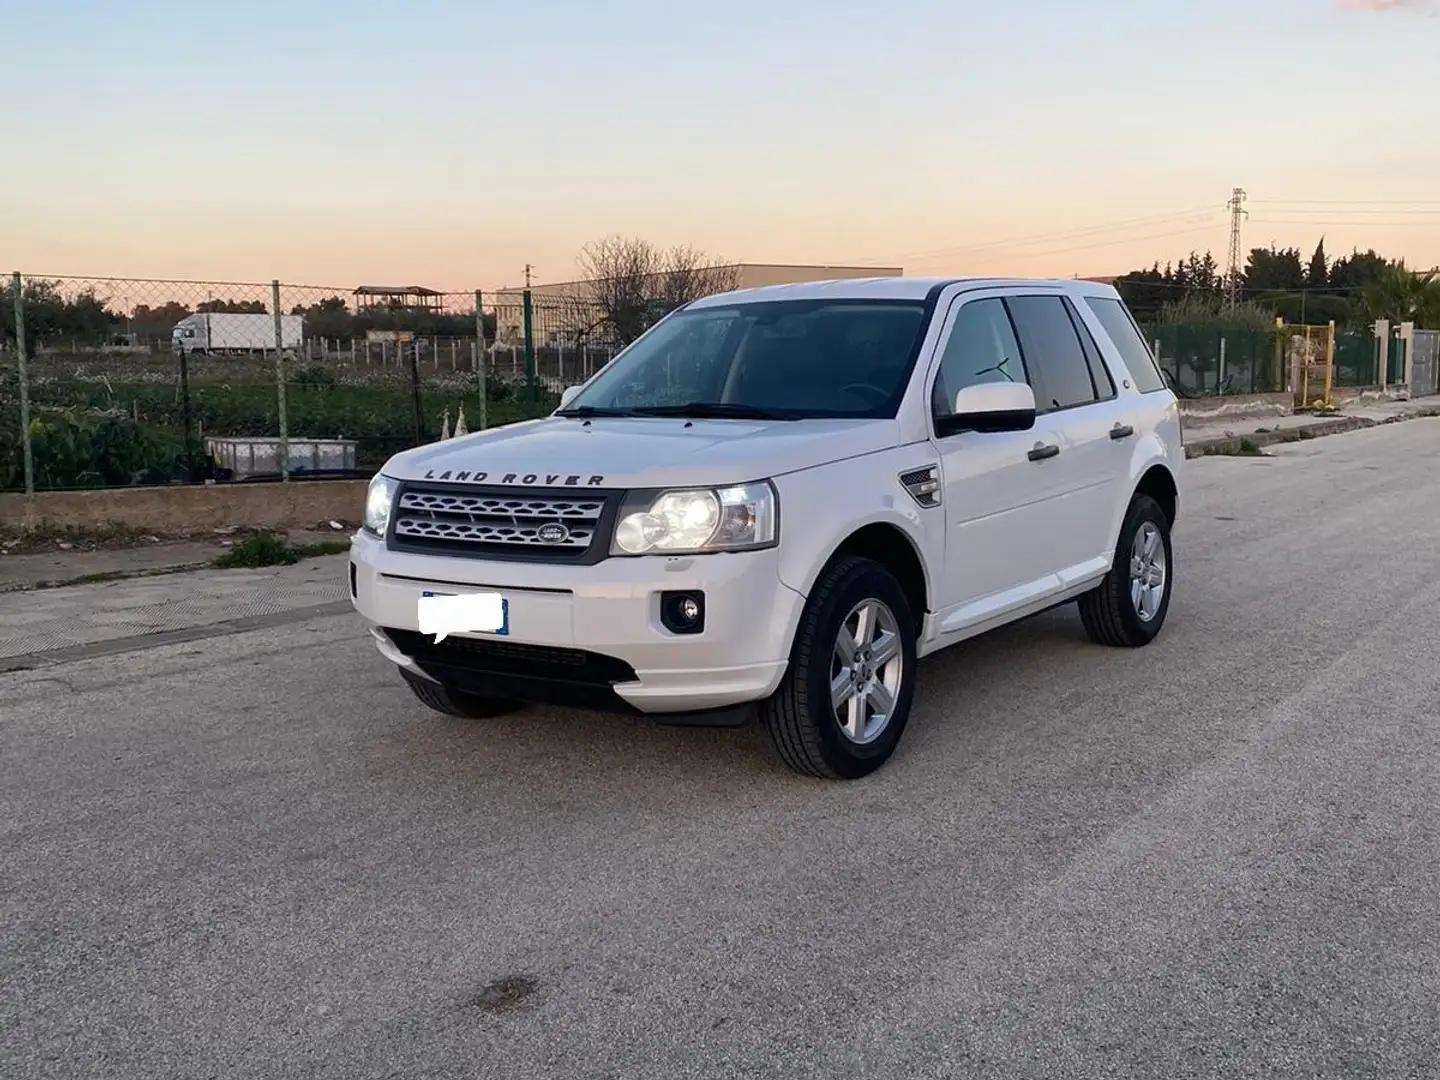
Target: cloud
[1428, 7]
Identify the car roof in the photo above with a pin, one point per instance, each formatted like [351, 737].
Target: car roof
[891, 288]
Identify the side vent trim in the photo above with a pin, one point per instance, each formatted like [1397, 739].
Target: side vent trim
[923, 485]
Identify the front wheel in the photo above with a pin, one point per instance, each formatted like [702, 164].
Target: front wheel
[1128, 607]
[845, 699]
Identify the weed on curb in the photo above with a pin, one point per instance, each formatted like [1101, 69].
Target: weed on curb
[265, 548]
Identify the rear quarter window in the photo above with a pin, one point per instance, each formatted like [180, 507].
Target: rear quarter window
[1125, 334]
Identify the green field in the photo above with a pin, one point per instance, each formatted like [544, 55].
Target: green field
[118, 420]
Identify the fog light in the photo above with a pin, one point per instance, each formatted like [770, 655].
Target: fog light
[682, 612]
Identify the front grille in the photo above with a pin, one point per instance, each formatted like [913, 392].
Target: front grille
[535, 526]
[511, 659]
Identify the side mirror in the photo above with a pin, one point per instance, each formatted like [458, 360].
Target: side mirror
[568, 395]
[995, 406]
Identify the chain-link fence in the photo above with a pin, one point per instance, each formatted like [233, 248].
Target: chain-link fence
[131, 382]
[1357, 359]
[1208, 361]
[142, 382]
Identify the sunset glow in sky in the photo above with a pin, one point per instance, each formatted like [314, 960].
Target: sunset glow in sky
[448, 143]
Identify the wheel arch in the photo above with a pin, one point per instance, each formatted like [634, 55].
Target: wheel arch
[893, 548]
[1158, 482]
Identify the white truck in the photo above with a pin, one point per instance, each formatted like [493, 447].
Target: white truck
[226, 332]
[777, 500]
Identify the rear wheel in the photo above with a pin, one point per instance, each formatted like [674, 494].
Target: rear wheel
[1128, 608]
[845, 699]
[456, 702]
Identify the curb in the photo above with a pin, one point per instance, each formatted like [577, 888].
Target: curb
[106, 577]
[1231, 445]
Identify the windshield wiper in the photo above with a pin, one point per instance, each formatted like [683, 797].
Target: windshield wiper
[713, 410]
[595, 410]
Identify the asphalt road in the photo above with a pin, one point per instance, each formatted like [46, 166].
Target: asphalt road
[258, 856]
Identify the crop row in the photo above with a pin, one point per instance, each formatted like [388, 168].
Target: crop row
[100, 433]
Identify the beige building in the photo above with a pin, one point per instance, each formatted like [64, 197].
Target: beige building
[561, 310]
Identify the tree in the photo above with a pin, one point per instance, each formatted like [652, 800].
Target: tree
[1272, 270]
[156, 323]
[51, 317]
[1278, 282]
[1352, 272]
[233, 307]
[1401, 295]
[630, 285]
[1318, 274]
[1211, 312]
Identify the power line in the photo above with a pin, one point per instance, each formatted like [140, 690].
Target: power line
[1420, 212]
[1295, 208]
[1346, 202]
[1364, 223]
[1038, 238]
[1118, 240]
[1252, 290]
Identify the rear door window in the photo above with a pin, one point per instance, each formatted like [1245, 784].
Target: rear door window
[1128, 342]
[1054, 357]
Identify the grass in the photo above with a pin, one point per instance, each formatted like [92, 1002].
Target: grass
[266, 548]
[377, 411]
[49, 536]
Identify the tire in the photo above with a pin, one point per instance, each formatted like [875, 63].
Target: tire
[1109, 612]
[458, 703]
[804, 729]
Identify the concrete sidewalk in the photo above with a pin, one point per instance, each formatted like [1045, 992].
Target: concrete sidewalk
[59, 566]
[1222, 435]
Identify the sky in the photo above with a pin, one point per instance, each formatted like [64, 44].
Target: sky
[449, 143]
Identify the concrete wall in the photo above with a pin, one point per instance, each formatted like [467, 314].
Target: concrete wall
[1236, 407]
[1365, 395]
[182, 509]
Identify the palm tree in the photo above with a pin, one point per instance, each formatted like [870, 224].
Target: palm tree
[1402, 295]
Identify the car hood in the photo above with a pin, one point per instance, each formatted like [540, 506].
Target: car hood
[640, 452]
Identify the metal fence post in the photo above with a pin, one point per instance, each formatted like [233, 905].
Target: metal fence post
[280, 382]
[17, 287]
[530, 346]
[1329, 360]
[189, 422]
[413, 348]
[480, 360]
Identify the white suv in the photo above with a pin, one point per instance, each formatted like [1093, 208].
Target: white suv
[786, 496]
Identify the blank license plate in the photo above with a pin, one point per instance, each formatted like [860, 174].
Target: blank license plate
[443, 613]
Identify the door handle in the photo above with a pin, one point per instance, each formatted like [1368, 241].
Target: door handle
[1121, 431]
[1040, 452]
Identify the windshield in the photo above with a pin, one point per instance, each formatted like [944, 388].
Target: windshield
[788, 358]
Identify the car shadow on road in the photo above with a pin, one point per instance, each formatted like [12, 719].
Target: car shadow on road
[968, 691]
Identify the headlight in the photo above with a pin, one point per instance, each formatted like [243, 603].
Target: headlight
[697, 520]
[378, 501]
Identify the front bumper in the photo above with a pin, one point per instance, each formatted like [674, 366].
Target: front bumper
[589, 635]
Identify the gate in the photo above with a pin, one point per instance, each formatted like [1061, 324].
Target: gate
[1425, 363]
[1312, 363]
